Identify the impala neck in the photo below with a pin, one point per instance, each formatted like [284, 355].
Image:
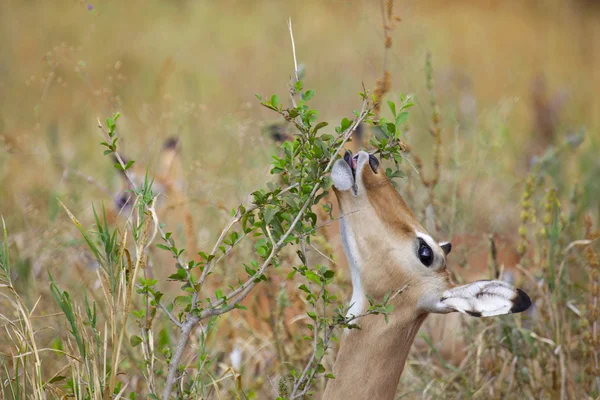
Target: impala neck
[371, 359]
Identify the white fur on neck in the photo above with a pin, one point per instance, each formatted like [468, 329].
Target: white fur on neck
[357, 302]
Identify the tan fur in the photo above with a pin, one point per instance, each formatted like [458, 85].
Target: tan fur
[382, 237]
[384, 371]
[378, 349]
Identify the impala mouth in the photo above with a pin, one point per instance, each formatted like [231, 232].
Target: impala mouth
[352, 162]
[344, 170]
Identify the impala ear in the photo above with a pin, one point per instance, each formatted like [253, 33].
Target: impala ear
[483, 299]
[446, 247]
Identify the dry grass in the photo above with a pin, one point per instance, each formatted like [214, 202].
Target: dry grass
[191, 69]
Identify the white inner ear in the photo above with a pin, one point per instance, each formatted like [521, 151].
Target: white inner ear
[483, 299]
[341, 174]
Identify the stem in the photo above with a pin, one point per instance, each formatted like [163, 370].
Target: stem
[186, 330]
[293, 49]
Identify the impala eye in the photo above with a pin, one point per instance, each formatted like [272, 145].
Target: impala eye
[425, 253]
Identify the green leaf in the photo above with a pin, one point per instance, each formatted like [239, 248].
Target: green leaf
[135, 340]
[304, 288]
[274, 101]
[319, 126]
[345, 124]
[392, 106]
[57, 379]
[269, 106]
[401, 118]
[390, 128]
[306, 96]
[88, 240]
[269, 214]
[182, 300]
[180, 275]
[311, 276]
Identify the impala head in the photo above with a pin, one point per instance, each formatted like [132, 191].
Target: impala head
[165, 180]
[387, 248]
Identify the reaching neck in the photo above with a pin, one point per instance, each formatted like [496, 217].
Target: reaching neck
[371, 359]
[387, 248]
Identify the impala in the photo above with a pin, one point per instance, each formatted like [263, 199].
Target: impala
[387, 249]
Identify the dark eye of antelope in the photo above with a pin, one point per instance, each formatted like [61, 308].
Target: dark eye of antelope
[425, 253]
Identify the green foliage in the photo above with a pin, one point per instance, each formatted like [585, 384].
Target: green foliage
[279, 215]
[111, 144]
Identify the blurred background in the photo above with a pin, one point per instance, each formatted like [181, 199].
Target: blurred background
[511, 76]
[516, 84]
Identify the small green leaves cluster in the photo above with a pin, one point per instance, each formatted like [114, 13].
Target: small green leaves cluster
[145, 316]
[387, 143]
[111, 125]
[111, 143]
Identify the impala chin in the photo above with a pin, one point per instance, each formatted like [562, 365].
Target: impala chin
[388, 249]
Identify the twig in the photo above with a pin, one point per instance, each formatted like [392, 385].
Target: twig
[385, 34]
[411, 164]
[171, 316]
[186, 330]
[327, 223]
[293, 49]
[236, 218]
[69, 171]
[302, 378]
[321, 253]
